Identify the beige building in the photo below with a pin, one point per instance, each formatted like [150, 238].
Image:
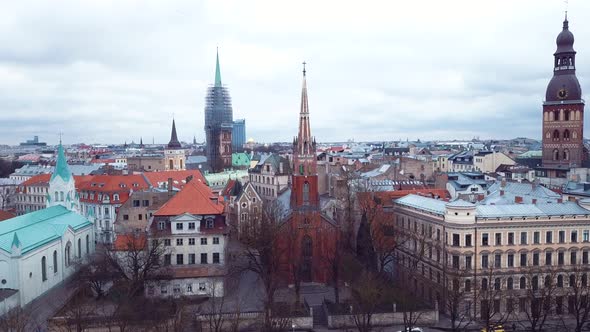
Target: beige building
[477, 248]
[489, 162]
[146, 163]
[270, 176]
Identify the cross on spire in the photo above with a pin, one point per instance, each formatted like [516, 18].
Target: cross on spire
[60, 135]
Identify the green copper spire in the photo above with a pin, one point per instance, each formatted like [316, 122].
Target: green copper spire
[61, 166]
[217, 71]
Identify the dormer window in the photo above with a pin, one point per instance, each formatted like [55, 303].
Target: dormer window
[161, 225]
[116, 197]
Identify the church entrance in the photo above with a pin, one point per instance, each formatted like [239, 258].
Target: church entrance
[306, 258]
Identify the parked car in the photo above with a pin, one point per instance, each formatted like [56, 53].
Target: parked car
[495, 328]
[413, 329]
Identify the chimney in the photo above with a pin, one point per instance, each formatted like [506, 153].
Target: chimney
[559, 200]
[535, 184]
[501, 192]
[189, 178]
[518, 199]
[170, 185]
[214, 199]
[503, 182]
[534, 201]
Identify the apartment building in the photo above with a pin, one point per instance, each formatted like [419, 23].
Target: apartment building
[460, 245]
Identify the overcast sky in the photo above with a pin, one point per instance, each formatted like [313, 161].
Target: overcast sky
[112, 71]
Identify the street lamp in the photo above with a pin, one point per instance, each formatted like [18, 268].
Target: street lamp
[293, 326]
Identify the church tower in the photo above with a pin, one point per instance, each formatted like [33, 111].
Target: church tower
[304, 194]
[563, 111]
[218, 124]
[62, 186]
[174, 154]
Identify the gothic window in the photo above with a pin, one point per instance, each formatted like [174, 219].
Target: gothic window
[566, 115]
[61, 196]
[44, 268]
[67, 253]
[566, 135]
[306, 192]
[556, 135]
[226, 148]
[87, 244]
[307, 246]
[548, 135]
[556, 116]
[79, 248]
[56, 196]
[555, 154]
[574, 135]
[566, 154]
[55, 261]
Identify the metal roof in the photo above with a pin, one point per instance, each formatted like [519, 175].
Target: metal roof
[423, 203]
[530, 210]
[37, 228]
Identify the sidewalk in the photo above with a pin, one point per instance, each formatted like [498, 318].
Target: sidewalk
[47, 305]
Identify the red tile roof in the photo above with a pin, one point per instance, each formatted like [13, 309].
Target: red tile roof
[195, 198]
[156, 178]
[37, 179]
[126, 242]
[6, 215]
[114, 183]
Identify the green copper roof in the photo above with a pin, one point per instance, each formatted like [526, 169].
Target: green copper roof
[61, 166]
[217, 72]
[38, 228]
[240, 159]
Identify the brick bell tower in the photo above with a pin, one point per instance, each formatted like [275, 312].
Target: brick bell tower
[304, 192]
[563, 110]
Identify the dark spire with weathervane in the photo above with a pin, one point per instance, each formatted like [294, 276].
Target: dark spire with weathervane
[564, 85]
[174, 143]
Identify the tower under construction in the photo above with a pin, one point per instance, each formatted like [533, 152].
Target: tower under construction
[218, 124]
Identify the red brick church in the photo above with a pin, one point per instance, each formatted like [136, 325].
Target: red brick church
[309, 237]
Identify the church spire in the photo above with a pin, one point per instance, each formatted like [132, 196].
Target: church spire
[217, 71]
[174, 143]
[304, 139]
[61, 165]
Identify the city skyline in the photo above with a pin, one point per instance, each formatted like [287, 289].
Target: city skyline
[378, 72]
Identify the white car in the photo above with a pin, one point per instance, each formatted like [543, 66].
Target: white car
[414, 329]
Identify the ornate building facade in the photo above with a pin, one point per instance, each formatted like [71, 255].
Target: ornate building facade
[218, 125]
[563, 111]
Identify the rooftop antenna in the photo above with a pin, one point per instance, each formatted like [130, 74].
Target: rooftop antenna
[566, 7]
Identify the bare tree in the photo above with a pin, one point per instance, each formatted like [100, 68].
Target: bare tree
[490, 295]
[139, 261]
[456, 302]
[540, 291]
[16, 320]
[7, 196]
[98, 273]
[578, 295]
[262, 256]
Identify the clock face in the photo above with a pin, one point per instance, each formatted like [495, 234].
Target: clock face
[562, 93]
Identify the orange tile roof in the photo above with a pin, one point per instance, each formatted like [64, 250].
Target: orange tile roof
[195, 198]
[130, 242]
[178, 177]
[114, 183]
[37, 179]
[6, 215]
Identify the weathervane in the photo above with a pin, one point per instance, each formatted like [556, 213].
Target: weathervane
[304, 63]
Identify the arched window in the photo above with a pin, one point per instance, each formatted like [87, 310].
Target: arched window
[67, 253]
[510, 283]
[226, 148]
[56, 197]
[484, 284]
[307, 246]
[171, 164]
[55, 261]
[306, 193]
[87, 244]
[79, 248]
[566, 115]
[548, 281]
[535, 283]
[61, 196]
[556, 135]
[566, 154]
[572, 280]
[497, 284]
[566, 135]
[468, 285]
[522, 282]
[574, 134]
[181, 164]
[555, 154]
[43, 268]
[556, 116]
[548, 135]
[560, 281]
